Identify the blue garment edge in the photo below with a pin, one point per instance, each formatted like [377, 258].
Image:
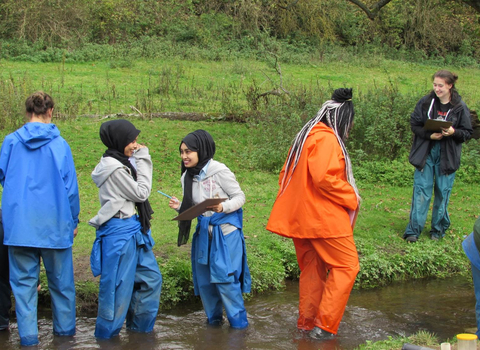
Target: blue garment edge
[471, 250]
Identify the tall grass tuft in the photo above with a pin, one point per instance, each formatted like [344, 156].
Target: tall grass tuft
[12, 101]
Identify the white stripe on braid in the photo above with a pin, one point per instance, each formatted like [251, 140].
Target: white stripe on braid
[324, 114]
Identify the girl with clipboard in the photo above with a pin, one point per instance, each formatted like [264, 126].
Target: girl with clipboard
[436, 154]
[219, 259]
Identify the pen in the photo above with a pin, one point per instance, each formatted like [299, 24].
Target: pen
[164, 194]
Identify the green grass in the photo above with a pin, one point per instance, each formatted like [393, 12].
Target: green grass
[421, 339]
[210, 86]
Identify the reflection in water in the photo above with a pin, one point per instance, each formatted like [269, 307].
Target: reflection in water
[444, 307]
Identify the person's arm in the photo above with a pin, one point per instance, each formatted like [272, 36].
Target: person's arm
[4, 158]
[417, 122]
[326, 166]
[135, 191]
[229, 184]
[463, 130]
[71, 186]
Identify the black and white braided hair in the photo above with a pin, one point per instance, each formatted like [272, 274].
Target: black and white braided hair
[337, 113]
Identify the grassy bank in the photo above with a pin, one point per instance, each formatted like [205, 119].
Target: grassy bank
[421, 339]
[217, 87]
[384, 256]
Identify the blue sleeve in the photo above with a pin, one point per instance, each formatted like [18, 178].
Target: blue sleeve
[71, 185]
[4, 159]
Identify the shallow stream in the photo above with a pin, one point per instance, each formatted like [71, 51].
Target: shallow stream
[444, 307]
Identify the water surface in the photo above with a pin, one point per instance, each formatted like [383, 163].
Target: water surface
[444, 307]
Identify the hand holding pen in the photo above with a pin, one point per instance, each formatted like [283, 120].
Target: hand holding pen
[174, 203]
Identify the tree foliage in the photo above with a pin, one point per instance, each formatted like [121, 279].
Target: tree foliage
[436, 27]
[372, 11]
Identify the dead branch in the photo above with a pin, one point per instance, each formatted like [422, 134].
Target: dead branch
[373, 12]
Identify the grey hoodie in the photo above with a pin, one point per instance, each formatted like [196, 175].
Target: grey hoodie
[118, 191]
[219, 182]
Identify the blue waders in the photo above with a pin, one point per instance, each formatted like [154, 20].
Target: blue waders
[130, 283]
[471, 251]
[220, 269]
[24, 270]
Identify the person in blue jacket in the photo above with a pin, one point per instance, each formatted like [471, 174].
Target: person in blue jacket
[40, 205]
[471, 247]
[130, 282]
[219, 258]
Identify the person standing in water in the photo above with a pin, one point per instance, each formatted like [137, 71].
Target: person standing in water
[130, 282]
[40, 207]
[316, 206]
[219, 257]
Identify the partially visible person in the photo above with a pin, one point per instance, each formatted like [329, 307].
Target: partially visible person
[40, 205]
[436, 154]
[5, 290]
[471, 247]
[219, 256]
[130, 282]
[316, 206]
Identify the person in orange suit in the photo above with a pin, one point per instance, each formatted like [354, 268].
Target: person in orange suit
[316, 206]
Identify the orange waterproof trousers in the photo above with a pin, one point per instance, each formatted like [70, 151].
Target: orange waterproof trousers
[328, 270]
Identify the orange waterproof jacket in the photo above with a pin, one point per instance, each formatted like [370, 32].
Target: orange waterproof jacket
[316, 202]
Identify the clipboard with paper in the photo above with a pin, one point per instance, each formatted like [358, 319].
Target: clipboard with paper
[436, 125]
[199, 209]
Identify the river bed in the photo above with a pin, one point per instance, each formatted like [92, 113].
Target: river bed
[444, 307]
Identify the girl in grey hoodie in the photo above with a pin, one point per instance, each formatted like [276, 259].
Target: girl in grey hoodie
[219, 259]
[122, 252]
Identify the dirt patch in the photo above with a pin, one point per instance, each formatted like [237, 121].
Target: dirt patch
[81, 269]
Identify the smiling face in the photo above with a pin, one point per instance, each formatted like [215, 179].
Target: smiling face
[189, 157]
[442, 89]
[130, 148]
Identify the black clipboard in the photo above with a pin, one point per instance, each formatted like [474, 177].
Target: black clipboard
[199, 209]
[436, 125]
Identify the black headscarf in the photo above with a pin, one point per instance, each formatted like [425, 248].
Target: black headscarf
[116, 135]
[201, 142]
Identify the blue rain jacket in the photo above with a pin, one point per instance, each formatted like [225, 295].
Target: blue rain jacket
[471, 250]
[111, 238]
[40, 198]
[215, 251]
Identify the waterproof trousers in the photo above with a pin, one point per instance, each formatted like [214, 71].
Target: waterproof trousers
[476, 286]
[24, 270]
[5, 290]
[328, 271]
[228, 295]
[424, 182]
[130, 287]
